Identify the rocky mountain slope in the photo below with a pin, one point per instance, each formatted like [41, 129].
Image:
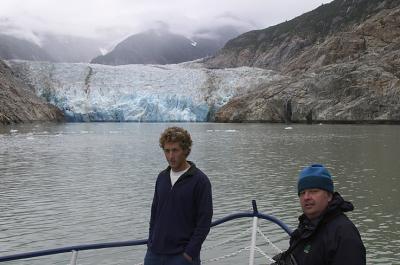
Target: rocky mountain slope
[341, 63]
[19, 104]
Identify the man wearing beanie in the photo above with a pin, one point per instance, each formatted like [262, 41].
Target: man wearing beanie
[325, 235]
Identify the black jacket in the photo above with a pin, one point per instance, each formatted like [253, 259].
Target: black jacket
[180, 214]
[330, 240]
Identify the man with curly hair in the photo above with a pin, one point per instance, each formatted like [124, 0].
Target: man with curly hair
[181, 211]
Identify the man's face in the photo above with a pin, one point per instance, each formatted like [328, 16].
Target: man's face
[314, 202]
[175, 156]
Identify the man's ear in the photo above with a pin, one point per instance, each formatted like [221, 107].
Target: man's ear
[187, 152]
[330, 196]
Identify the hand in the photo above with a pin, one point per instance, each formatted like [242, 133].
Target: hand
[189, 258]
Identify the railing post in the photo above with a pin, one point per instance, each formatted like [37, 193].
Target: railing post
[74, 257]
[253, 233]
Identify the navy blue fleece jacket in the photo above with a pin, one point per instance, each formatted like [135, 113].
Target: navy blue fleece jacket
[180, 214]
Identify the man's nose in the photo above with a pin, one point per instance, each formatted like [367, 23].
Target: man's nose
[169, 155]
[307, 195]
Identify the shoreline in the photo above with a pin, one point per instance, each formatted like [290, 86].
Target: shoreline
[317, 122]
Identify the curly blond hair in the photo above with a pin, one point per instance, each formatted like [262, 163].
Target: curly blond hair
[177, 135]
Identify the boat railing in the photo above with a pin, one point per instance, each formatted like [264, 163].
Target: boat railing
[76, 248]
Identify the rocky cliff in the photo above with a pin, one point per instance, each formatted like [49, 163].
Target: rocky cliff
[340, 63]
[19, 104]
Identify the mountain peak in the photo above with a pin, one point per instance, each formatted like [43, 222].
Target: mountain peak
[160, 46]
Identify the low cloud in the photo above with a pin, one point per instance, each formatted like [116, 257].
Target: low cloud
[117, 19]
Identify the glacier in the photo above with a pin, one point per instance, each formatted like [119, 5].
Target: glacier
[142, 93]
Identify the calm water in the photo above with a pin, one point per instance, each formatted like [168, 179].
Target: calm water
[71, 184]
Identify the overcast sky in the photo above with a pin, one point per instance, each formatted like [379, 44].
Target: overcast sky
[119, 18]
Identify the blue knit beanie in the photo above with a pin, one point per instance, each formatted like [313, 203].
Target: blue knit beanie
[315, 176]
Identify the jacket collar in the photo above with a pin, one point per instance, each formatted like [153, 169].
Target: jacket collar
[335, 207]
[188, 173]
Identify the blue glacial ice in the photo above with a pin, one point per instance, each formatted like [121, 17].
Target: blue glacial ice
[144, 93]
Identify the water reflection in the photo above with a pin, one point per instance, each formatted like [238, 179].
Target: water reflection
[83, 183]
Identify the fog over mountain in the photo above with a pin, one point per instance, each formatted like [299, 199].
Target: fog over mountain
[78, 31]
[15, 48]
[63, 48]
[164, 47]
[157, 46]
